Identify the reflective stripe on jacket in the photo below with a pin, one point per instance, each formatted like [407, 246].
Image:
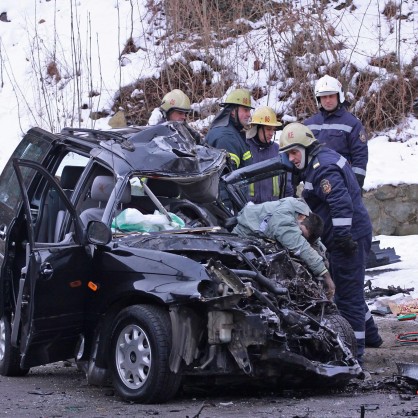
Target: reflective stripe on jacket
[228, 138]
[267, 189]
[331, 190]
[344, 133]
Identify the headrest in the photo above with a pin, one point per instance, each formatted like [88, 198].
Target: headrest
[103, 187]
[163, 188]
[70, 175]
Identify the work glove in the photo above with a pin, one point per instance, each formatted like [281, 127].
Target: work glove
[360, 180]
[346, 245]
[329, 286]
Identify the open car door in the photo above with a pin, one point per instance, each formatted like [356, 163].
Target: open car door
[50, 306]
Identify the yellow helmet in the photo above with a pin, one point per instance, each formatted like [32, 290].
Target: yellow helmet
[265, 115]
[240, 97]
[296, 135]
[175, 100]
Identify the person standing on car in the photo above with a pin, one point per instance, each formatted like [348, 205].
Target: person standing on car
[227, 129]
[290, 222]
[331, 190]
[337, 128]
[260, 138]
[175, 107]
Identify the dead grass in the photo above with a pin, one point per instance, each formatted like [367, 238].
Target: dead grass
[390, 10]
[386, 102]
[53, 71]
[197, 86]
[301, 59]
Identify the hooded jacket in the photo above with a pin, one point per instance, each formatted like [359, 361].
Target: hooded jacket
[278, 220]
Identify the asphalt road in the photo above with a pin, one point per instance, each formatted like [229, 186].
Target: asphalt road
[61, 390]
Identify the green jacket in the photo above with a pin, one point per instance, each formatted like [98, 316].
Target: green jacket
[278, 220]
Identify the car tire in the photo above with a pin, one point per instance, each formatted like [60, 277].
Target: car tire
[9, 356]
[140, 352]
[339, 324]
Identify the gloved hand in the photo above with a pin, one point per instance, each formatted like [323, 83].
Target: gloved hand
[346, 245]
[329, 286]
[360, 180]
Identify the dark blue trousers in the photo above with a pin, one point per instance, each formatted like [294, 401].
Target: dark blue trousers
[348, 275]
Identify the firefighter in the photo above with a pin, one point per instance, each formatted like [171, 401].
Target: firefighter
[227, 129]
[337, 128]
[260, 138]
[331, 190]
[175, 107]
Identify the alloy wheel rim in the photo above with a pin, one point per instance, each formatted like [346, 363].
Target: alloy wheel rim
[133, 356]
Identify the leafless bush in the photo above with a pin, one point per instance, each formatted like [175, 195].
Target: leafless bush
[140, 98]
[391, 9]
[196, 46]
[53, 72]
[206, 15]
[386, 102]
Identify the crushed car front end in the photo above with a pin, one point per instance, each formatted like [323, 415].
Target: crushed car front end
[252, 312]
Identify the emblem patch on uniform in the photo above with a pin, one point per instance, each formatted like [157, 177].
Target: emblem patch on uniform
[363, 136]
[325, 186]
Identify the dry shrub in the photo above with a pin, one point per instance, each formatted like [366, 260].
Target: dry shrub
[215, 19]
[129, 47]
[298, 62]
[389, 61]
[310, 36]
[53, 72]
[197, 85]
[218, 13]
[390, 10]
[387, 105]
[305, 104]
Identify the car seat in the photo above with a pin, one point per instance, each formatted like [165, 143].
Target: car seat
[101, 191]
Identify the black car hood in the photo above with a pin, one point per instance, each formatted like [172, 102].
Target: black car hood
[191, 240]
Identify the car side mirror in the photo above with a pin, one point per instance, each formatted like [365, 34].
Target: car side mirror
[98, 233]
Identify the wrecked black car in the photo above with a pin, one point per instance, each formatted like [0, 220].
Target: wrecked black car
[112, 254]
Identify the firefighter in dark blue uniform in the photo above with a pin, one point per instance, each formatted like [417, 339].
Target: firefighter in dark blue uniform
[332, 191]
[337, 128]
[227, 132]
[227, 129]
[260, 139]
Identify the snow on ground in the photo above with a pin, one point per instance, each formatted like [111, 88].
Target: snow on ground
[403, 273]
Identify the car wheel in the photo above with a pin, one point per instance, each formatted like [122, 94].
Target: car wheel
[339, 324]
[9, 356]
[140, 351]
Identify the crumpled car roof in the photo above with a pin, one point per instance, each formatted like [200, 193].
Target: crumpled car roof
[168, 150]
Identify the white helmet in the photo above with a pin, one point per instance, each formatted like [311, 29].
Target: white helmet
[328, 85]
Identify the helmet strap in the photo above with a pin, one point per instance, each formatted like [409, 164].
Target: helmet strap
[261, 143]
[235, 120]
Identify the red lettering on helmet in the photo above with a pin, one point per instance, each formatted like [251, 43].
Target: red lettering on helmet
[290, 135]
[267, 119]
[172, 102]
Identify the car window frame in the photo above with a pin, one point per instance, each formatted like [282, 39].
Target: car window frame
[17, 163]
